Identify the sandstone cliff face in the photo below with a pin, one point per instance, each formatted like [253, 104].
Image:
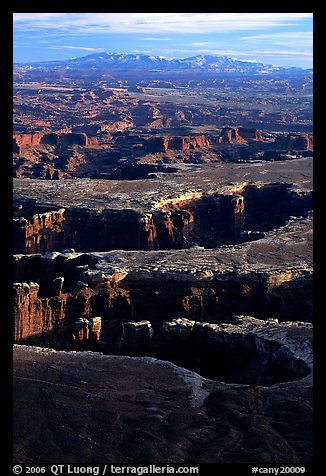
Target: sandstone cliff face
[61, 140]
[205, 222]
[268, 207]
[54, 290]
[159, 123]
[250, 133]
[183, 115]
[78, 228]
[229, 135]
[21, 140]
[209, 221]
[43, 232]
[67, 140]
[172, 228]
[34, 316]
[82, 230]
[114, 126]
[53, 174]
[53, 320]
[234, 135]
[184, 144]
[199, 345]
[295, 142]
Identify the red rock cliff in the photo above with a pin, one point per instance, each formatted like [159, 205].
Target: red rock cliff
[296, 142]
[43, 233]
[184, 144]
[52, 139]
[234, 135]
[32, 315]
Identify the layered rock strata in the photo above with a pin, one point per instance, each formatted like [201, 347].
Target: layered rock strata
[295, 142]
[265, 278]
[61, 140]
[234, 135]
[207, 220]
[183, 144]
[39, 234]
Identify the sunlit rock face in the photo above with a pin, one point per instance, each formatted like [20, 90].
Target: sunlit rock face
[208, 220]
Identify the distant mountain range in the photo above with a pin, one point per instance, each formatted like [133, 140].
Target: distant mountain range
[120, 61]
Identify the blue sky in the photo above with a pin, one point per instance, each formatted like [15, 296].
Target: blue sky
[283, 39]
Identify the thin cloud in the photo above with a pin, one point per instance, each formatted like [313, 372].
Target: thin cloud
[281, 35]
[284, 53]
[201, 44]
[155, 38]
[301, 41]
[28, 17]
[240, 54]
[157, 23]
[83, 48]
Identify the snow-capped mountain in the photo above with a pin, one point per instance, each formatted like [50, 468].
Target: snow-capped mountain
[121, 61]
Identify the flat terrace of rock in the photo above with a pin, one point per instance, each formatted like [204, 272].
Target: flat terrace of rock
[146, 195]
[291, 245]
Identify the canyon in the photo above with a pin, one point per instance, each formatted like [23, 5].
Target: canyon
[177, 415]
[98, 129]
[39, 155]
[162, 267]
[215, 285]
